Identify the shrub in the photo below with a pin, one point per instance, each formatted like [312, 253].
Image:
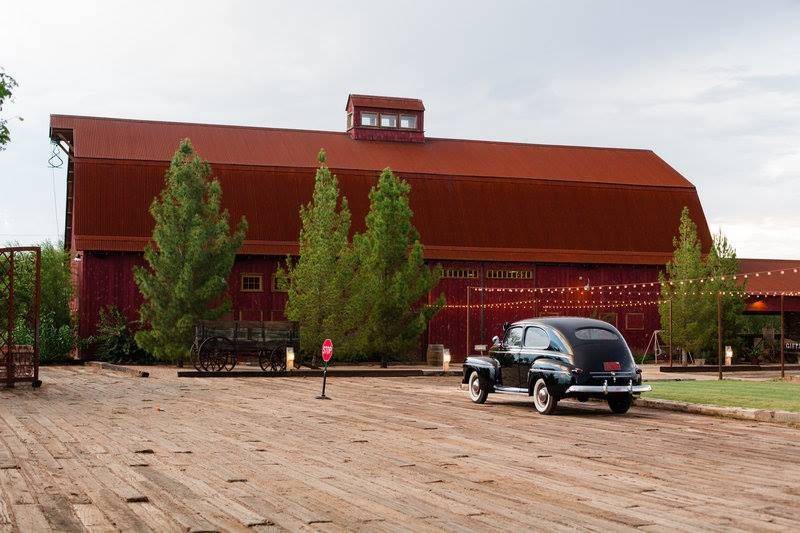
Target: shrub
[114, 341]
[55, 342]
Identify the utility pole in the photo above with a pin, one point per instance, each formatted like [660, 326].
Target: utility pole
[783, 342]
[468, 350]
[670, 332]
[719, 333]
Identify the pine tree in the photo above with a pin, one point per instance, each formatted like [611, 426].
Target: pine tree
[694, 304]
[391, 280]
[317, 281]
[687, 263]
[189, 266]
[721, 265]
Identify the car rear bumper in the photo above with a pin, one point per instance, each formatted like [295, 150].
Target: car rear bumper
[605, 388]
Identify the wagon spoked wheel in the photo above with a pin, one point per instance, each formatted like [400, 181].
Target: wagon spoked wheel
[231, 358]
[214, 353]
[278, 360]
[265, 359]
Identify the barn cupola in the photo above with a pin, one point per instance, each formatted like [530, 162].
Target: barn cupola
[385, 118]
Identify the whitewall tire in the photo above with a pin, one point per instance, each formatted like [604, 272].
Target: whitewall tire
[478, 390]
[543, 401]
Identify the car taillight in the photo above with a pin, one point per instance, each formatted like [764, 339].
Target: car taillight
[611, 366]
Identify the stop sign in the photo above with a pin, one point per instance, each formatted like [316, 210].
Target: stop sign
[327, 350]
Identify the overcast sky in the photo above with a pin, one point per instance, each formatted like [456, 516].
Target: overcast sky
[712, 87]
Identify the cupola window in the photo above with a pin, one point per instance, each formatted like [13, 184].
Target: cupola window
[369, 119]
[408, 122]
[388, 120]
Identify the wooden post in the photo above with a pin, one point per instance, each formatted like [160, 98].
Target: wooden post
[10, 324]
[37, 302]
[467, 353]
[670, 332]
[719, 333]
[783, 342]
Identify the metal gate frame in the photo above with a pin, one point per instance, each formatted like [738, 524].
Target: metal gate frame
[18, 363]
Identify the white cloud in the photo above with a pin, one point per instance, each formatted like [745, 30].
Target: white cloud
[712, 87]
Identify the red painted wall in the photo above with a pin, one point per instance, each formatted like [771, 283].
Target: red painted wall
[107, 278]
[450, 326]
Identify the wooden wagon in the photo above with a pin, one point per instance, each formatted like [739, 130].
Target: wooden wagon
[220, 345]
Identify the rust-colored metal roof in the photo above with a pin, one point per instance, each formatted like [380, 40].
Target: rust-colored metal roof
[472, 200]
[105, 138]
[789, 281]
[385, 102]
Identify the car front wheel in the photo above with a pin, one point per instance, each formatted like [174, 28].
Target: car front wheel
[619, 403]
[543, 400]
[478, 391]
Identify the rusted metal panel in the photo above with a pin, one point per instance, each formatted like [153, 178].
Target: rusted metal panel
[458, 218]
[139, 140]
[789, 281]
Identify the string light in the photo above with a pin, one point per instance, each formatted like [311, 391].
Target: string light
[617, 286]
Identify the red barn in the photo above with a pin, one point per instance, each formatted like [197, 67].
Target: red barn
[493, 214]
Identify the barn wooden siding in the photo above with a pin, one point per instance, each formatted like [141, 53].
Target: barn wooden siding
[112, 284]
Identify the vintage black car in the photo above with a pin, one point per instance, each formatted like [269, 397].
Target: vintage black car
[554, 358]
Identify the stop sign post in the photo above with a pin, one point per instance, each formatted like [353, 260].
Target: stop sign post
[327, 353]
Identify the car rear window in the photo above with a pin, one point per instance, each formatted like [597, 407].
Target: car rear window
[596, 334]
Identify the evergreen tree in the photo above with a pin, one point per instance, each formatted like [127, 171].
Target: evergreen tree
[192, 258]
[694, 304]
[722, 264]
[316, 282]
[687, 263]
[392, 280]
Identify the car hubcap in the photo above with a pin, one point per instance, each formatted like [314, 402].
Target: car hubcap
[475, 388]
[541, 396]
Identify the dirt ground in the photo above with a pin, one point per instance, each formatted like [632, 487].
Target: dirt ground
[101, 451]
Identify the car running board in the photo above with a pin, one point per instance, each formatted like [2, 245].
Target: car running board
[511, 390]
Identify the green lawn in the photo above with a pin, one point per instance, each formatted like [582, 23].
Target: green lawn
[780, 395]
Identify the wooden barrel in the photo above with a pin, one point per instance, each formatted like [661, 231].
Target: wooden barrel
[435, 354]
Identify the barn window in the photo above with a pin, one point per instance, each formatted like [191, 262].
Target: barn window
[369, 119]
[634, 321]
[349, 121]
[388, 120]
[408, 122]
[252, 283]
[460, 273]
[610, 317]
[509, 274]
